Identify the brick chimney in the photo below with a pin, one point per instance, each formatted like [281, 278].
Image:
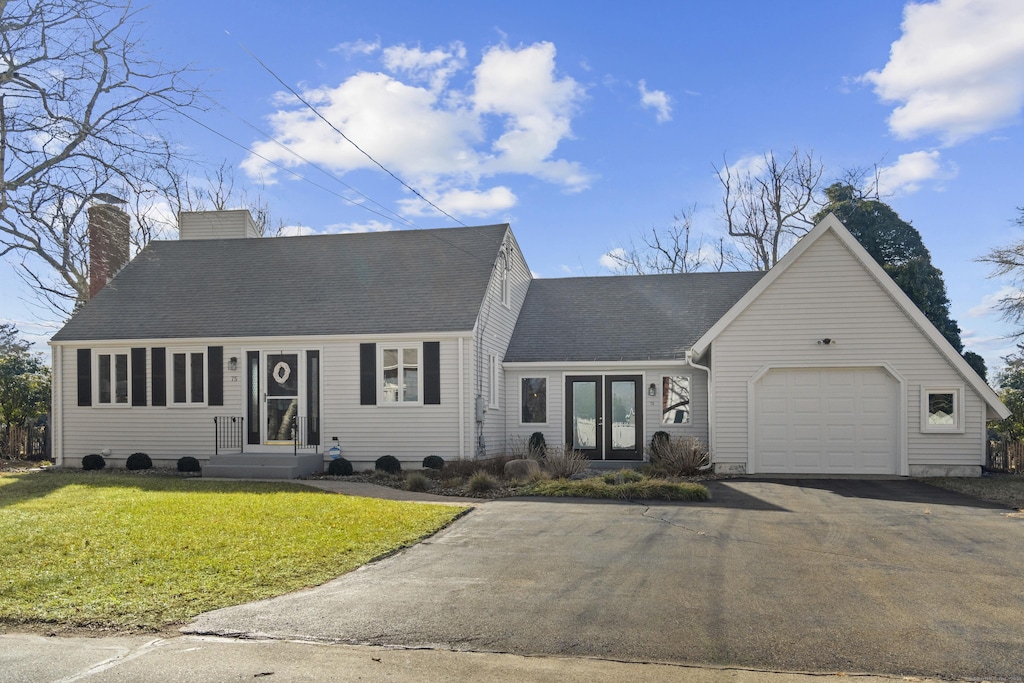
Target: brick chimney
[108, 244]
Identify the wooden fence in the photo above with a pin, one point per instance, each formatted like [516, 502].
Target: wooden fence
[1006, 456]
[28, 442]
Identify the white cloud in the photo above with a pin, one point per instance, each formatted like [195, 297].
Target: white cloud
[658, 100]
[751, 164]
[609, 262]
[435, 67]
[368, 226]
[910, 170]
[957, 71]
[463, 202]
[295, 231]
[989, 302]
[435, 133]
[358, 47]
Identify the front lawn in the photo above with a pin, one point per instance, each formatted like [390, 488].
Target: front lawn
[121, 551]
[1005, 489]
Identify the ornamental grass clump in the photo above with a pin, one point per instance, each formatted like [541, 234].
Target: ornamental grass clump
[564, 461]
[678, 456]
[416, 481]
[481, 482]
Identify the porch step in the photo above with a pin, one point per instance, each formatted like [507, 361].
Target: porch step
[263, 465]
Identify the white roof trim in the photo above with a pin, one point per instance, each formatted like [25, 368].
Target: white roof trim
[832, 224]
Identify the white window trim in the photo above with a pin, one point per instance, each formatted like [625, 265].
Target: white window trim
[113, 381]
[381, 347]
[547, 383]
[170, 353]
[493, 372]
[958, 410]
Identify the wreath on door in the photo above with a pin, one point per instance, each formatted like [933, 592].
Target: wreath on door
[281, 372]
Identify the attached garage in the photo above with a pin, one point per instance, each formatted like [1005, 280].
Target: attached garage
[826, 421]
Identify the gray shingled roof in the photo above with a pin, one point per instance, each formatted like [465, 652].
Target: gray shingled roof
[645, 317]
[368, 283]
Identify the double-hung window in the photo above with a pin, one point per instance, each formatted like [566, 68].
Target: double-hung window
[112, 378]
[188, 378]
[400, 374]
[534, 400]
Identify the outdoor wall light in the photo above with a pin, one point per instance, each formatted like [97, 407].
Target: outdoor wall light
[652, 390]
[233, 363]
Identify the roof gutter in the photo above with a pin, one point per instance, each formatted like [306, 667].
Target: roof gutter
[711, 408]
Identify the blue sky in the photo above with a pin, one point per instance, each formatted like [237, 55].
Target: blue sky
[585, 124]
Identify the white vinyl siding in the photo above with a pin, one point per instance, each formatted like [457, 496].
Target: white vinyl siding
[495, 325]
[827, 292]
[554, 429]
[408, 432]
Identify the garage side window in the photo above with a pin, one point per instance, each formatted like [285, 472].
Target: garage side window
[675, 400]
[941, 409]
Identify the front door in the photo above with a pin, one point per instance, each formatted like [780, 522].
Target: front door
[604, 416]
[281, 399]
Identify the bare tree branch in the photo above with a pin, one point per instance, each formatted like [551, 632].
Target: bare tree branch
[768, 207]
[80, 111]
[674, 249]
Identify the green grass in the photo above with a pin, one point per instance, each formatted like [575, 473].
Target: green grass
[128, 551]
[597, 487]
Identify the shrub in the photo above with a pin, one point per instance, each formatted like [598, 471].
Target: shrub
[659, 440]
[189, 464]
[623, 476]
[481, 482]
[339, 467]
[537, 446]
[562, 462]
[388, 463]
[596, 487]
[415, 481]
[433, 462]
[466, 467]
[93, 461]
[138, 461]
[679, 457]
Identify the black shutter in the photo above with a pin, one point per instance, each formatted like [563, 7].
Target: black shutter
[138, 377]
[432, 373]
[215, 375]
[313, 398]
[368, 374]
[158, 362]
[252, 395]
[84, 377]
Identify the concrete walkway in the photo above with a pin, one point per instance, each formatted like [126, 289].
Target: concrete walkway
[30, 658]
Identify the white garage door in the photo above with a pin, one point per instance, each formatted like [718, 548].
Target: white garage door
[826, 421]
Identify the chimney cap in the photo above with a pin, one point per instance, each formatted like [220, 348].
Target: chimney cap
[109, 198]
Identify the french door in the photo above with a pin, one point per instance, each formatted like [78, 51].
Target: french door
[604, 416]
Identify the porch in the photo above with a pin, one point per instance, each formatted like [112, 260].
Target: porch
[297, 456]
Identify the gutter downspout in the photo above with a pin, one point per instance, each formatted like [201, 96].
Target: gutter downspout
[711, 409]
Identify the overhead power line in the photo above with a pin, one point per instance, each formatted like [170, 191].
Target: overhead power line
[345, 137]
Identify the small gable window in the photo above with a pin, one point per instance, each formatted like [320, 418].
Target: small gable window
[112, 378]
[534, 400]
[503, 271]
[941, 409]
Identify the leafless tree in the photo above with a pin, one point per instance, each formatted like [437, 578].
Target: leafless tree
[1010, 261]
[673, 250]
[768, 205]
[80, 111]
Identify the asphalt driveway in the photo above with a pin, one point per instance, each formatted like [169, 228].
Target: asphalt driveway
[890, 577]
